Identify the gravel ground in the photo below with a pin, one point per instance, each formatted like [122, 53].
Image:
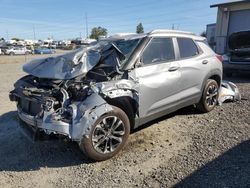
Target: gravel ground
[183, 149]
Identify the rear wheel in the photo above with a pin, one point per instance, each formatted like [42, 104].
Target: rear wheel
[209, 97]
[107, 137]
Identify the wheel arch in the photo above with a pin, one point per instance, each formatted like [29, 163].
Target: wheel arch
[217, 78]
[127, 104]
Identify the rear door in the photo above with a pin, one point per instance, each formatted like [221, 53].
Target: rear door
[158, 77]
[193, 67]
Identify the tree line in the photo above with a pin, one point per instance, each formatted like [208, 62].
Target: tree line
[98, 32]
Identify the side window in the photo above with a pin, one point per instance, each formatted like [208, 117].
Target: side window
[159, 50]
[187, 47]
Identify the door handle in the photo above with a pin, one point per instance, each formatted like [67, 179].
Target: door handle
[205, 62]
[173, 68]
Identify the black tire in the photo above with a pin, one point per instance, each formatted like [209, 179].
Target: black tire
[95, 153]
[209, 97]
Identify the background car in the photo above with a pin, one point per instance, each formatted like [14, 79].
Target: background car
[44, 51]
[238, 59]
[17, 51]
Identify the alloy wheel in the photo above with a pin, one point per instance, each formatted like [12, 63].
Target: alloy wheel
[211, 95]
[108, 134]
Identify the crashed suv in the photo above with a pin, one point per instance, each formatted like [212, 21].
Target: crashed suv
[98, 94]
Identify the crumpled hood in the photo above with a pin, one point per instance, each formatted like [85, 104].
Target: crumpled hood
[64, 67]
[239, 40]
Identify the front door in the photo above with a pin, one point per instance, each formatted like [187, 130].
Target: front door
[158, 77]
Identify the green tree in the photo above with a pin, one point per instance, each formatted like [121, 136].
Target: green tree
[96, 32]
[203, 34]
[139, 28]
[16, 39]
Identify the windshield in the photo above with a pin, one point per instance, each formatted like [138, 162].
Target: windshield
[126, 47]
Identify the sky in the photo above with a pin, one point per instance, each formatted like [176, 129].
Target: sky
[66, 19]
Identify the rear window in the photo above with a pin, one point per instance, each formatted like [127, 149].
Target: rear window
[187, 47]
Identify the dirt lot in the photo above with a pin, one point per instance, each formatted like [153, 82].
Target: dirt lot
[183, 149]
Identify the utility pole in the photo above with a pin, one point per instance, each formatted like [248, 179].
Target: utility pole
[80, 35]
[87, 30]
[34, 32]
[172, 26]
[7, 34]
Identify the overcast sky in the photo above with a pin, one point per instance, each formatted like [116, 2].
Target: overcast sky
[65, 19]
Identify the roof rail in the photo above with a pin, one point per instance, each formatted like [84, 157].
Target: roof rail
[123, 34]
[160, 31]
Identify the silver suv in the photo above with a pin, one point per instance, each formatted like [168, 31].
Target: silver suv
[98, 94]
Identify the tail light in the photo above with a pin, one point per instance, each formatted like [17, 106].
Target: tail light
[219, 57]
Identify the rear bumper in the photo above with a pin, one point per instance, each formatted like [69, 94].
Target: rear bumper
[236, 66]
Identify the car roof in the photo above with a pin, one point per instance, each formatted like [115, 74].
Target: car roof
[156, 33]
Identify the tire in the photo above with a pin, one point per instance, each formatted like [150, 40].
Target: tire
[97, 147]
[12, 53]
[209, 97]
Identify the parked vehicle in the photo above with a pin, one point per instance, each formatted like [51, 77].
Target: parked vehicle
[44, 51]
[15, 50]
[97, 95]
[238, 59]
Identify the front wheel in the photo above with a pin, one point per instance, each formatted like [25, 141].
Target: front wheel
[209, 97]
[107, 136]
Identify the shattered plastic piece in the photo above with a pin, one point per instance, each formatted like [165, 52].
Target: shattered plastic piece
[228, 92]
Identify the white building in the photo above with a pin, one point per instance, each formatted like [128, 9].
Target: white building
[232, 16]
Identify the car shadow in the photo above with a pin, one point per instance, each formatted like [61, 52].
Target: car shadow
[17, 153]
[190, 110]
[231, 169]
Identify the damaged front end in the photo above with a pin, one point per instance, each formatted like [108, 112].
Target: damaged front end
[46, 106]
[67, 94]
